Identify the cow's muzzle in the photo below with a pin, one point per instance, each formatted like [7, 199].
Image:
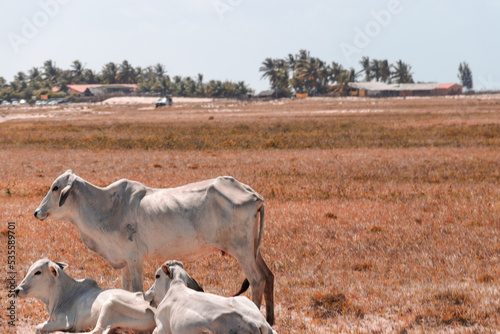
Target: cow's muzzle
[20, 292]
[40, 216]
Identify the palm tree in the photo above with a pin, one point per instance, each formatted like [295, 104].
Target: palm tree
[270, 71]
[50, 72]
[353, 75]
[200, 89]
[343, 80]
[276, 70]
[159, 70]
[21, 79]
[323, 76]
[89, 77]
[385, 70]
[376, 70]
[283, 84]
[402, 72]
[109, 73]
[34, 74]
[35, 78]
[291, 63]
[335, 70]
[77, 72]
[367, 68]
[126, 73]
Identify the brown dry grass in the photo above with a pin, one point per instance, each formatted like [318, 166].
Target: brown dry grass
[361, 240]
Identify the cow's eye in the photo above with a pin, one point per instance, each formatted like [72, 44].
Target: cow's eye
[157, 276]
[38, 273]
[56, 188]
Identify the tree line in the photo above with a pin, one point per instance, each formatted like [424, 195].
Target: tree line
[301, 73]
[150, 80]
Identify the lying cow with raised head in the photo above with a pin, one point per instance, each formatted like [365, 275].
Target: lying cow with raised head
[181, 310]
[126, 222]
[75, 305]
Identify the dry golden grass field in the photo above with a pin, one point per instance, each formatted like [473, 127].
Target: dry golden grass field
[382, 215]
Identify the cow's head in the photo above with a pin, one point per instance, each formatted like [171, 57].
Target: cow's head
[41, 277]
[59, 192]
[168, 272]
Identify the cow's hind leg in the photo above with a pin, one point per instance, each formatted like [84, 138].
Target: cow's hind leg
[268, 290]
[255, 276]
[117, 314]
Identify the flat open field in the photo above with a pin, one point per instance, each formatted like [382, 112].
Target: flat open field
[382, 215]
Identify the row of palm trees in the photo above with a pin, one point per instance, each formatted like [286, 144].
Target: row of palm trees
[302, 73]
[151, 79]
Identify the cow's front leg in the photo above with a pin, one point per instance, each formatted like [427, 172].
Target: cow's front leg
[51, 326]
[135, 267]
[126, 279]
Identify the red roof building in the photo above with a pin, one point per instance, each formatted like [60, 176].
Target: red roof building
[448, 89]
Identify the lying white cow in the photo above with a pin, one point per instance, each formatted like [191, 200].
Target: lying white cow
[127, 221]
[75, 305]
[184, 311]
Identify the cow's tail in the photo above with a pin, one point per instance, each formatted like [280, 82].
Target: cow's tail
[246, 284]
[244, 287]
[261, 231]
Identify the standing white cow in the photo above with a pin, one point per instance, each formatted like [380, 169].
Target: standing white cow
[128, 221]
[181, 310]
[75, 305]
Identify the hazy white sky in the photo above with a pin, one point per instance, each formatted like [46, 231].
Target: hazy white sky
[229, 39]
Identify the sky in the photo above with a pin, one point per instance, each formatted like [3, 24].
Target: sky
[229, 39]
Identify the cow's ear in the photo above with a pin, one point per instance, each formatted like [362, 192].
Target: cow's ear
[62, 265]
[167, 271]
[66, 191]
[53, 270]
[192, 284]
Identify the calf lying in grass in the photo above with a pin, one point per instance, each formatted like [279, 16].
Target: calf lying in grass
[75, 305]
[182, 310]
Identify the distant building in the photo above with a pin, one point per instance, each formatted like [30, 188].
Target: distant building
[98, 89]
[448, 89]
[374, 88]
[415, 89]
[266, 94]
[407, 89]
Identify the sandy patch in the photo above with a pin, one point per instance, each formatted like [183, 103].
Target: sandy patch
[152, 100]
[23, 116]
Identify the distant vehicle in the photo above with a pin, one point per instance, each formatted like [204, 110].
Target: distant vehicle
[23, 101]
[41, 102]
[15, 102]
[163, 101]
[5, 103]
